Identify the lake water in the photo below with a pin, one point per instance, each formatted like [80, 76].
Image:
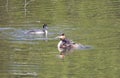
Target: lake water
[30, 56]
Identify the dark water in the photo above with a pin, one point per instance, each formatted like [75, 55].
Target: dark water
[21, 54]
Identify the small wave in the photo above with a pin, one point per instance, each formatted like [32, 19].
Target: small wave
[7, 28]
[84, 47]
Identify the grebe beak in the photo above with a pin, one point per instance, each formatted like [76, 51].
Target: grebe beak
[57, 37]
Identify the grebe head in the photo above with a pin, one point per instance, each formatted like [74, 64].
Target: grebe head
[61, 37]
[45, 30]
[45, 27]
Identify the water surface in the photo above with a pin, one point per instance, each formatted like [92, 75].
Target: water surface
[93, 23]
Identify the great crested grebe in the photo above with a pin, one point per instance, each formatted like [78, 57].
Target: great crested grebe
[44, 31]
[66, 46]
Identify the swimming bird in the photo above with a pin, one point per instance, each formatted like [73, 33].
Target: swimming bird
[44, 31]
[66, 46]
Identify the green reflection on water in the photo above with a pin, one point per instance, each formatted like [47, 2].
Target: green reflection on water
[96, 23]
